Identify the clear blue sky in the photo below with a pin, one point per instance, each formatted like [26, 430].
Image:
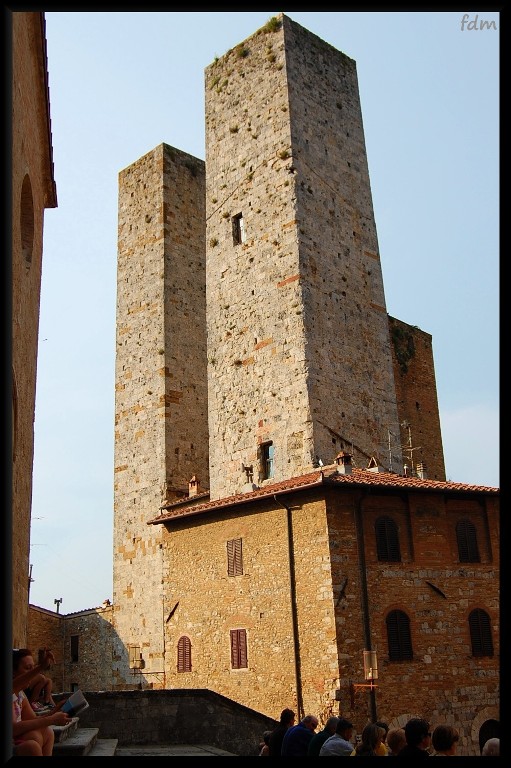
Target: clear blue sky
[123, 83]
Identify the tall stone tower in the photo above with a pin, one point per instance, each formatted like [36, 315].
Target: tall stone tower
[161, 432]
[299, 350]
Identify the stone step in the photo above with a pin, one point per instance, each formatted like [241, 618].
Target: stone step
[63, 732]
[79, 744]
[104, 748]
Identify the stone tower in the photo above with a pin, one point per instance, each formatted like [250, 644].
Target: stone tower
[299, 350]
[161, 434]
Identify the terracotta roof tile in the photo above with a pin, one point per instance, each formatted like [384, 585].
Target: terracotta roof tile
[321, 477]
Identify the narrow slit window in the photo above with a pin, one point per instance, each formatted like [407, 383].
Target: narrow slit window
[238, 229]
[74, 647]
[267, 460]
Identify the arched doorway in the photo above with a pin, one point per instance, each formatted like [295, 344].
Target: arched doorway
[490, 729]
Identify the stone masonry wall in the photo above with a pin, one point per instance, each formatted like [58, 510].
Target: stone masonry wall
[298, 342]
[203, 603]
[93, 668]
[334, 545]
[32, 192]
[176, 717]
[161, 437]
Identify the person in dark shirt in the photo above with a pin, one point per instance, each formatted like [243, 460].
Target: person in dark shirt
[296, 739]
[287, 719]
[319, 739]
[418, 739]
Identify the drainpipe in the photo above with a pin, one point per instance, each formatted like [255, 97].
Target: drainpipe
[292, 589]
[365, 593]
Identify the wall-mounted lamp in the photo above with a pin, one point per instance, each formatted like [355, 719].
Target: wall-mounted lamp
[370, 675]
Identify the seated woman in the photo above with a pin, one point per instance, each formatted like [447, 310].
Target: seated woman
[39, 691]
[32, 734]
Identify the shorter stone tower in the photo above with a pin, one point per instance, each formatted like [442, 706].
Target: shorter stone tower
[161, 434]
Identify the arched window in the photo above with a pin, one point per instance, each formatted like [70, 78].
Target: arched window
[480, 633]
[466, 535]
[398, 636]
[387, 540]
[184, 654]
[27, 220]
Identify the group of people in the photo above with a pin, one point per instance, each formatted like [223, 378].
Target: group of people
[33, 708]
[415, 741]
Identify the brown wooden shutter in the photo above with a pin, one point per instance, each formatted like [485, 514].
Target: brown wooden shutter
[238, 648]
[184, 654]
[480, 633]
[387, 540]
[466, 535]
[398, 636]
[234, 558]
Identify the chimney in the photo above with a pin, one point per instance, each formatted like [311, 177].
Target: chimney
[375, 466]
[193, 486]
[422, 471]
[343, 461]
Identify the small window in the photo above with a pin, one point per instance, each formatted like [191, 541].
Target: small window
[466, 535]
[135, 656]
[234, 558]
[74, 647]
[184, 654]
[267, 464]
[238, 229]
[239, 648]
[75, 687]
[387, 540]
[480, 633]
[398, 636]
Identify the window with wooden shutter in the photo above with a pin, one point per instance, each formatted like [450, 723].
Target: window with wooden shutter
[398, 636]
[480, 633]
[387, 540]
[239, 648]
[466, 535]
[184, 654]
[234, 558]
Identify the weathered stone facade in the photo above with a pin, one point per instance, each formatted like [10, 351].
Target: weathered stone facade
[314, 592]
[299, 352]
[250, 312]
[84, 663]
[33, 190]
[161, 436]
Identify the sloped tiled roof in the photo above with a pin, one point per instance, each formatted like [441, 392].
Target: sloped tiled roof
[326, 476]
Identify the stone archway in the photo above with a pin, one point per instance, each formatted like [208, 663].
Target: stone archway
[477, 730]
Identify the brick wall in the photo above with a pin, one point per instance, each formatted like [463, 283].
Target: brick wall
[414, 376]
[32, 192]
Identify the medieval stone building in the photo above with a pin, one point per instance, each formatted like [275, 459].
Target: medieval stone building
[280, 503]
[254, 346]
[33, 190]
